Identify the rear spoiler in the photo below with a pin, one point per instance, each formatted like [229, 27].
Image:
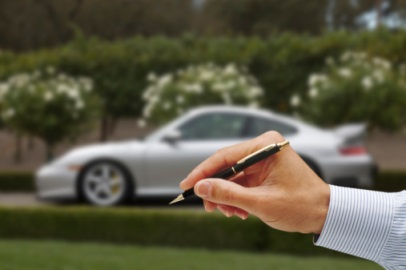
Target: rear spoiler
[352, 133]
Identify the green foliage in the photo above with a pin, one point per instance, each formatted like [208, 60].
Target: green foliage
[172, 94]
[15, 181]
[143, 227]
[281, 63]
[52, 106]
[40, 255]
[356, 88]
[391, 181]
[152, 228]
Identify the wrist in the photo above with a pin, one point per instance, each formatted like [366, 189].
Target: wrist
[321, 208]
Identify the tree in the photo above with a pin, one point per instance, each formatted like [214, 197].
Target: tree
[356, 88]
[51, 106]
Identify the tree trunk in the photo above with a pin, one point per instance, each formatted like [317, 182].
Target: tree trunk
[103, 128]
[378, 7]
[49, 149]
[30, 144]
[18, 152]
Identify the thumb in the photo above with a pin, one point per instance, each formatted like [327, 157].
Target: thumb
[224, 192]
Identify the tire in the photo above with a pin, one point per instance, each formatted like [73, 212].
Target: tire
[105, 183]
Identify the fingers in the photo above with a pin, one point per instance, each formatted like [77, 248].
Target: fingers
[229, 195]
[227, 157]
[230, 211]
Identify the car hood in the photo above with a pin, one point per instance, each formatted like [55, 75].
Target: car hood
[83, 154]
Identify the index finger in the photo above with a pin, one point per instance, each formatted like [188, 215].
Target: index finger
[227, 157]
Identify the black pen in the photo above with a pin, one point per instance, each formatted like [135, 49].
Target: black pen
[239, 166]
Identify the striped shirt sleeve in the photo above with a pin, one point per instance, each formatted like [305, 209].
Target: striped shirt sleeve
[367, 224]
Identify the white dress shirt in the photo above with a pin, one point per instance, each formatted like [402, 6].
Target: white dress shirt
[367, 224]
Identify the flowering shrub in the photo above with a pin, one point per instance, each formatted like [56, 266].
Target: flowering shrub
[46, 104]
[172, 94]
[355, 88]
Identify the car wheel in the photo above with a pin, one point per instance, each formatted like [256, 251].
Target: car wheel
[105, 183]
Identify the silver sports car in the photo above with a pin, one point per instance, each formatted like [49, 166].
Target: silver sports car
[111, 173]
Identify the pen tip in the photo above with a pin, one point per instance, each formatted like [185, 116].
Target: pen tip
[177, 199]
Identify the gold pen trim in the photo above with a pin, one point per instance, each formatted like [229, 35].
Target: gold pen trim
[266, 148]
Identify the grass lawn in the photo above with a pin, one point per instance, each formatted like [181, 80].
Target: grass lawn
[32, 255]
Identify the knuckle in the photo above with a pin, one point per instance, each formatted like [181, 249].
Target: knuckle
[274, 135]
[226, 195]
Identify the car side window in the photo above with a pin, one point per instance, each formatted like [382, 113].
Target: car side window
[261, 125]
[213, 126]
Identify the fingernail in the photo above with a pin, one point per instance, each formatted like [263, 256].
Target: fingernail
[182, 182]
[225, 211]
[203, 189]
[241, 215]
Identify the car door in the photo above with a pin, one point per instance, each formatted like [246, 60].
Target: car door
[168, 163]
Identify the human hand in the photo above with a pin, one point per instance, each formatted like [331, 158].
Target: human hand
[281, 190]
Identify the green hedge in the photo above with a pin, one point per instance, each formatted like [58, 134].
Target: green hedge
[166, 227]
[24, 181]
[391, 181]
[282, 63]
[17, 181]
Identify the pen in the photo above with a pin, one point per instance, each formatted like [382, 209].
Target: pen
[239, 166]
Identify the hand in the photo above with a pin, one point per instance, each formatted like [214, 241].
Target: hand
[281, 190]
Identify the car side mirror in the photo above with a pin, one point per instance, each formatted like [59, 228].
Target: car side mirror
[172, 137]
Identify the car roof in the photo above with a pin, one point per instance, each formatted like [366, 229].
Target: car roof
[251, 111]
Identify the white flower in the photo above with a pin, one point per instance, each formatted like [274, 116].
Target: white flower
[36, 74]
[295, 101]
[378, 75]
[60, 88]
[230, 69]
[73, 93]
[193, 88]
[4, 88]
[62, 77]
[330, 61]
[167, 106]
[313, 92]
[382, 63]
[314, 79]
[87, 84]
[346, 56]
[79, 104]
[49, 96]
[179, 111]
[180, 99]
[50, 70]
[227, 98]
[254, 92]
[9, 113]
[219, 87]
[20, 80]
[141, 123]
[345, 72]
[148, 110]
[230, 85]
[206, 75]
[242, 80]
[31, 89]
[367, 83]
[164, 80]
[151, 76]
[253, 104]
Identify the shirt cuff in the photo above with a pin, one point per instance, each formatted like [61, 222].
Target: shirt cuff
[358, 222]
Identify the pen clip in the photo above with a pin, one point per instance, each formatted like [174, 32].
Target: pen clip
[266, 148]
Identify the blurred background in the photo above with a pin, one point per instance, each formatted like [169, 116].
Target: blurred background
[75, 73]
